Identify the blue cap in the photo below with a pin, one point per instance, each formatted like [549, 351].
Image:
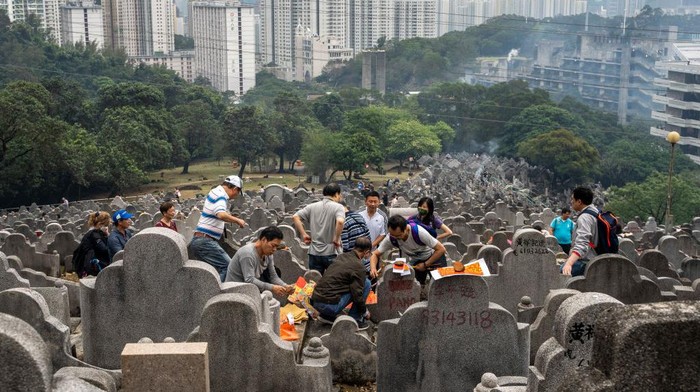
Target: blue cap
[120, 215]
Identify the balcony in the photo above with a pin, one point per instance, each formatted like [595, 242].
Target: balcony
[676, 86]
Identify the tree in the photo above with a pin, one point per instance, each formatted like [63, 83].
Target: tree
[648, 198]
[291, 116]
[198, 127]
[568, 156]
[315, 151]
[351, 152]
[411, 139]
[247, 134]
[376, 120]
[329, 111]
[444, 132]
[536, 120]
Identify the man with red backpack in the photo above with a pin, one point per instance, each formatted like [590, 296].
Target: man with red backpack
[424, 252]
[595, 233]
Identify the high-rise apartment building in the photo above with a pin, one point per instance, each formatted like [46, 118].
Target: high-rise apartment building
[82, 21]
[415, 18]
[141, 28]
[224, 40]
[47, 11]
[369, 21]
[681, 99]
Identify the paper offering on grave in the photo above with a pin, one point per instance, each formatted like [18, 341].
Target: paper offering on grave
[401, 267]
[301, 297]
[476, 267]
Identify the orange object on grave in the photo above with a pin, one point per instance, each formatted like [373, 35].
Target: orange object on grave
[371, 300]
[471, 268]
[288, 332]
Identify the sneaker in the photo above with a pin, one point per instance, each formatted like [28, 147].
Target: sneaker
[325, 320]
[362, 325]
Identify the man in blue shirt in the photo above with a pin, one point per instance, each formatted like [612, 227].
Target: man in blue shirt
[562, 227]
[121, 233]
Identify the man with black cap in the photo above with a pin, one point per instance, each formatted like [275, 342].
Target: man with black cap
[204, 245]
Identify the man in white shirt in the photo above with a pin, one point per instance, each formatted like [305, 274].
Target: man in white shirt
[375, 218]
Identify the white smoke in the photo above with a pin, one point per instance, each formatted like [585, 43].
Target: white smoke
[512, 53]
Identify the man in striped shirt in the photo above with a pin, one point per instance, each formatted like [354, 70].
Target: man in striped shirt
[204, 245]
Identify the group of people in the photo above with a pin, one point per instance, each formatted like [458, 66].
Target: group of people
[345, 246]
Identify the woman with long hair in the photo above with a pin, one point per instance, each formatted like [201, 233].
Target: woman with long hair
[93, 254]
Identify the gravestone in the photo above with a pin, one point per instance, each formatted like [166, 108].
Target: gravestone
[529, 269]
[452, 251]
[64, 244]
[15, 244]
[543, 327]
[491, 221]
[28, 233]
[460, 227]
[155, 292]
[572, 344]
[241, 349]
[547, 216]
[176, 367]
[668, 245]
[656, 262]
[10, 277]
[258, 219]
[650, 225]
[633, 227]
[395, 293]
[290, 269]
[629, 250]
[426, 348]
[25, 363]
[618, 277]
[353, 355]
[690, 268]
[640, 346]
[500, 240]
[49, 235]
[29, 306]
[492, 255]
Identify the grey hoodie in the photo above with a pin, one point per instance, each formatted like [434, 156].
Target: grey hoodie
[585, 234]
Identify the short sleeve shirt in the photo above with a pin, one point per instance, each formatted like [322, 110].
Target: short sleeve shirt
[209, 223]
[322, 216]
[376, 224]
[413, 251]
[562, 230]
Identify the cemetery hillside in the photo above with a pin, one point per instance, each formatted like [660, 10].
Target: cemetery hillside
[414, 195]
[78, 121]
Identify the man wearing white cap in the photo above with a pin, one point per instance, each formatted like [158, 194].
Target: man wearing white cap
[204, 245]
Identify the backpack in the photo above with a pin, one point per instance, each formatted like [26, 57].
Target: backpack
[427, 228]
[414, 232]
[608, 226]
[84, 261]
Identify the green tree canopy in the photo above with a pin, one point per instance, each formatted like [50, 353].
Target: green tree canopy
[411, 139]
[247, 134]
[648, 198]
[568, 156]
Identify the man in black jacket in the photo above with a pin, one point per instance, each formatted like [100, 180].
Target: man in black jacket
[345, 281]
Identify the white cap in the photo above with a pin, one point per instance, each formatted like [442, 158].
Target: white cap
[235, 181]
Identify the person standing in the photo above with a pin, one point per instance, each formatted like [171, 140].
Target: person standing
[326, 218]
[121, 233]
[168, 211]
[585, 232]
[375, 218]
[354, 227]
[253, 263]
[562, 227]
[204, 245]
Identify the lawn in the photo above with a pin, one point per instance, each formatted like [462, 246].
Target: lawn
[206, 174]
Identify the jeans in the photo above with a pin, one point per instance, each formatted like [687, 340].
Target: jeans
[321, 263]
[207, 250]
[422, 275]
[331, 311]
[577, 269]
